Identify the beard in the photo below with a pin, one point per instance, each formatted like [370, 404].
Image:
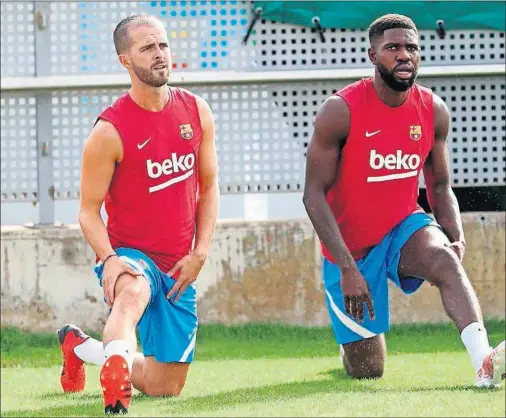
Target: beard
[395, 83]
[149, 77]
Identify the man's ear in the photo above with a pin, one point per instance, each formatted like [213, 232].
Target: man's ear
[372, 55]
[124, 61]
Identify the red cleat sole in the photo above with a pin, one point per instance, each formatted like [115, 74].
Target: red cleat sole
[116, 383]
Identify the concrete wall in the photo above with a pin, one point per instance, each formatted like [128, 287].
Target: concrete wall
[256, 272]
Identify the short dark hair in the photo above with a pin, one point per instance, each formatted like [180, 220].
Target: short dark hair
[120, 35]
[390, 21]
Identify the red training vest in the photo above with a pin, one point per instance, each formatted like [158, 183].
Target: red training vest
[151, 202]
[377, 179]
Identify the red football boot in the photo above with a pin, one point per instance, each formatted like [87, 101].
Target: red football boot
[492, 371]
[116, 384]
[73, 373]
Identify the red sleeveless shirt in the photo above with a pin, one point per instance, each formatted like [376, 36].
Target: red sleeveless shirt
[377, 179]
[151, 202]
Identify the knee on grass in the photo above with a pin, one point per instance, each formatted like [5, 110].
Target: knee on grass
[370, 373]
[365, 369]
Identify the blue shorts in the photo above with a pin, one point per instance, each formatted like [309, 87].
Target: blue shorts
[167, 329]
[380, 263]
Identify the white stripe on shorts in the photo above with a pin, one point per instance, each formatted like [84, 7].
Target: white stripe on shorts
[134, 263]
[127, 260]
[189, 349]
[348, 322]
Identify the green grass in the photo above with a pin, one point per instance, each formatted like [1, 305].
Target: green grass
[268, 370]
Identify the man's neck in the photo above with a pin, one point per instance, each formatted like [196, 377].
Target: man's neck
[153, 99]
[386, 94]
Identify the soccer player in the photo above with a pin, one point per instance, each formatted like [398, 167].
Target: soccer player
[151, 157]
[370, 142]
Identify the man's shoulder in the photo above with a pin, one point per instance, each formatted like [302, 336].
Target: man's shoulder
[424, 92]
[120, 101]
[189, 97]
[354, 92]
[181, 92]
[333, 105]
[115, 108]
[358, 85]
[105, 129]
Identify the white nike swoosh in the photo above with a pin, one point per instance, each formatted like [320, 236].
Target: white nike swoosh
[171, 181]
[141, 146]
[369, 134]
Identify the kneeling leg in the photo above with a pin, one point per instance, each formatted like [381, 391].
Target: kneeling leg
[365, 358]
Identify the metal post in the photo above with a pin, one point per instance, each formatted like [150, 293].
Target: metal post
[45, 175]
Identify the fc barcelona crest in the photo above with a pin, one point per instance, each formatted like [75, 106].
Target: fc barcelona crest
[415, 132]
[186, 131]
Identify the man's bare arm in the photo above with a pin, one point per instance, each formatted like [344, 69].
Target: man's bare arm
[331, 127]
[102, 150]
[208, 193]
[436, 171]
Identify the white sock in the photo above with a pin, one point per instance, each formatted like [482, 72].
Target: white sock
[91, 351]
[122, 348]
[475, 338]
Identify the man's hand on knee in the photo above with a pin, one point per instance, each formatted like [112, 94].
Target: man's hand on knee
[114, 267]
[459, 247]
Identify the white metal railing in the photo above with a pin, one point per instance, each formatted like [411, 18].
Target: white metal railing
[234, 77]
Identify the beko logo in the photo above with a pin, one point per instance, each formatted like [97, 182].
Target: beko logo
[397, 161]
[183, 165]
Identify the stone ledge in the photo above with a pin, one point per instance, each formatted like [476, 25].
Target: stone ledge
[267, 271]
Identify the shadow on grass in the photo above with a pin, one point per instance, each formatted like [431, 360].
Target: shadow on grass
[335, 380]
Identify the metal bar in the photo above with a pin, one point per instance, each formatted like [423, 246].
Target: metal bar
[44, 118]
[234, 77]
[45, 175]
[42, 39]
